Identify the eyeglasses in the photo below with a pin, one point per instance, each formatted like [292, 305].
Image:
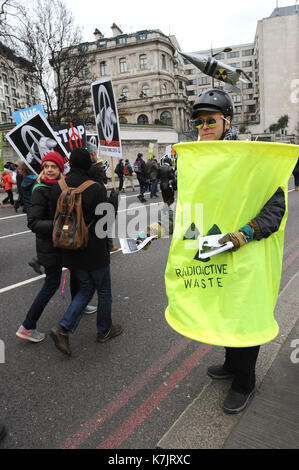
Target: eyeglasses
[211, 122]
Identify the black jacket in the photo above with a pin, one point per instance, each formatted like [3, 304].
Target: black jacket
[166, 174]
[269, 219]
[96, 254]
[98, 174]
[39, 220]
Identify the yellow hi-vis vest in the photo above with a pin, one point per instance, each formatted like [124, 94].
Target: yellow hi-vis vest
[228, 300]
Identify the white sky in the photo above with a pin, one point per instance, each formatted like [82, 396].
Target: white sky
[196, 24]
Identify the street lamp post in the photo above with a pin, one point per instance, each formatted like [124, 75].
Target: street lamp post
[227, 49]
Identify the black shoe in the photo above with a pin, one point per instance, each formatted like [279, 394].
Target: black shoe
[2, 431]
[60, 337]
[219, 373]
[115, 330]
[34, 263]
[236, 402]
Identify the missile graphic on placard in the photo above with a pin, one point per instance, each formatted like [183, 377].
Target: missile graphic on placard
[214, 68]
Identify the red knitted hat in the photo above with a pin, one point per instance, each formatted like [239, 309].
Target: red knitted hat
[56, 158]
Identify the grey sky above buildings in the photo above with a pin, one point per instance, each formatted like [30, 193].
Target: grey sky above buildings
[197, 25]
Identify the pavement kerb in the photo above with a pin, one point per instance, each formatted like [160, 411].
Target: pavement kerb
[203, 424]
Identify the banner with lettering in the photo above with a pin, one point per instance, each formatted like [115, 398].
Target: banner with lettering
[228, 299]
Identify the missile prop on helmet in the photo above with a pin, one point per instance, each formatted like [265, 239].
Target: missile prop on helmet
[214, 68]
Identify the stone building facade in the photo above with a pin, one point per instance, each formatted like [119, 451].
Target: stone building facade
[147, 75]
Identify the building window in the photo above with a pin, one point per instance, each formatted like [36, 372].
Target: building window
[124, 94]
[166, 118]
[6, 90]
[204, 81]
[145, 91]
[83, 47]
[163, 61]
[122, 65]
[233, 54]
[4, 78]
[103, 68]
[85, 72]
[247, 52]
[123, 120]
[248, 97]
[247, 63]
[3, 117]
[164, 89]
[12, 81]
[143, 62]
[7, 99]
[121, 39]
[142, 119]
[235, 64]
[219, 56]
[141, 35]
[236, 98]
[101, 43]
[15, 103]
[238, 109]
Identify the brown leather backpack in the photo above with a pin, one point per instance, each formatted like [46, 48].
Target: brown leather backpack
[69, 229]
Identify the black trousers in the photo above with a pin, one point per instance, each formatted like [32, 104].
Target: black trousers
[9, 197]
[241, 362]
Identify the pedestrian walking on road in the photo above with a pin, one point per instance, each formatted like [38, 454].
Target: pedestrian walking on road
[128, 174]
[167, 179]
[119, 170]
[141, 173]
[153, 171]
[91, 265]
[41, 223]
[7, 183]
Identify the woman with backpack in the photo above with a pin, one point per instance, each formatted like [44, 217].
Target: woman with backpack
[40, 222]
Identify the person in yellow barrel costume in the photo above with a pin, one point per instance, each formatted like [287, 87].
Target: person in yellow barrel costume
[212, 114]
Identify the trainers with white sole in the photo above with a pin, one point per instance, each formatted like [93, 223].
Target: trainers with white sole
[30, 335]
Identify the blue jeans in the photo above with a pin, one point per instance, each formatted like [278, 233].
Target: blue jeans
[154, 188]
[51, 284]
[142, 184]
[88, 282]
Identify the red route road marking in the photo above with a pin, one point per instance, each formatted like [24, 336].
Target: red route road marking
[122, 399]
[135, 419]
[290, 260]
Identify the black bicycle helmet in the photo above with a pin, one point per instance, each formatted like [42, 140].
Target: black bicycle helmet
[214, 100]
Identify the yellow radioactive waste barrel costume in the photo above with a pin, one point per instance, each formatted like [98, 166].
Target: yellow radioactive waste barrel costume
[228, 300]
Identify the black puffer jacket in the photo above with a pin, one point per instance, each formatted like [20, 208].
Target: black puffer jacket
[41, 223]
[166, 174]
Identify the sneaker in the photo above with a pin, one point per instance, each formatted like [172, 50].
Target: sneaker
[60, 336]
[31, 335]
[219, 373]
[114, 248]
[115, 330]
[90, 309]
[236, 401]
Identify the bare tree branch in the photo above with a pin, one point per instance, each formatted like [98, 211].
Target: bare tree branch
[45, 34]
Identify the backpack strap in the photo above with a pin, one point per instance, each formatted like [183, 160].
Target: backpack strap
[84, 186]
[62, 184]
